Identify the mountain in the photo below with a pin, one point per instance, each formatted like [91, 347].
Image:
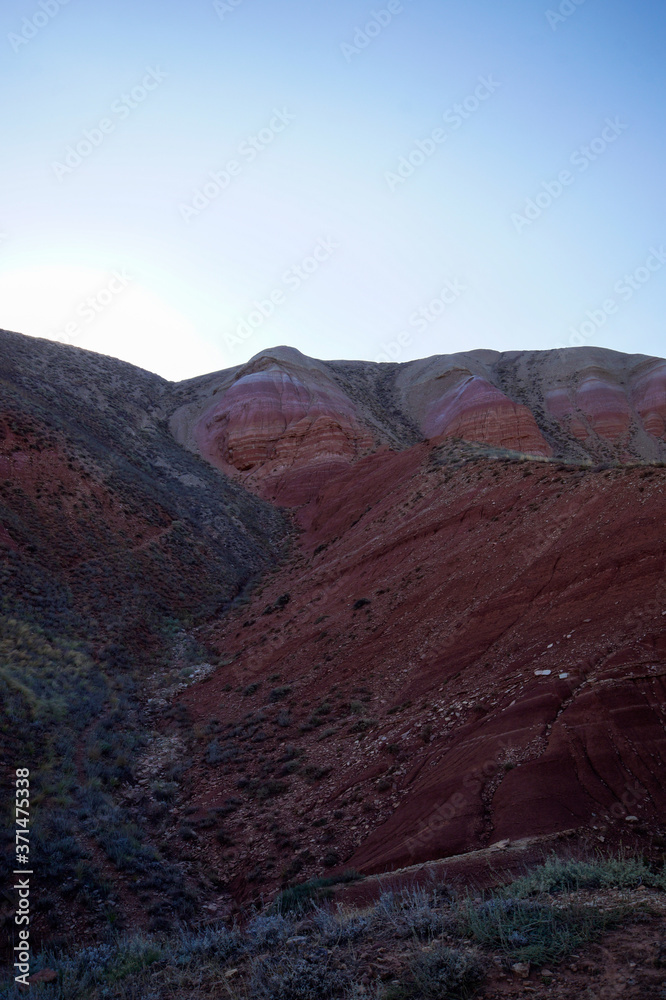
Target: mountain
[303, 616]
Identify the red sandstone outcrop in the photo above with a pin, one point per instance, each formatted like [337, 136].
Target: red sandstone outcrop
[284, 411]
[474, 410]
[275, 418]
[595, 406]
[455, 397]
[649, 399]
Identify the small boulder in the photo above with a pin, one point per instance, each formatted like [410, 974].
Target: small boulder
[44, 976]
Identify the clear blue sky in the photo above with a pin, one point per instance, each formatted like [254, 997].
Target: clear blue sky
[315, 126]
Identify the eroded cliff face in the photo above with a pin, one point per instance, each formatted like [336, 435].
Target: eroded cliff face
[585, 403]
[282, 411]
[470, 408]
[624, 408]
[649, 398]
[276, 418]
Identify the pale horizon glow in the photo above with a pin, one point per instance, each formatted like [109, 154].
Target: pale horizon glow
[106, 312]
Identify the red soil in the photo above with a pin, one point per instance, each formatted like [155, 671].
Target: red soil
[424, 705]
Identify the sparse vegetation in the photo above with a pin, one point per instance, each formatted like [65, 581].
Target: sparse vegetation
[441, 974]
[300, 898]
[571, 874]
[442, 945]
[530, 931]
[120, 542]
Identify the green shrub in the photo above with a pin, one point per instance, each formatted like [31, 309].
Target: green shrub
[416, 912]
[297, 978]
[530, 931]
[134, 955]
[299, 898]
[214, 942]
[440, 974]
[559, 875]
[277, 694]
[447, 973]
[214, 753]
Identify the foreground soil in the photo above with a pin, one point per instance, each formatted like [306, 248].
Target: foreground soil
[373, 952]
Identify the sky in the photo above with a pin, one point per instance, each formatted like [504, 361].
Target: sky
[185, 185]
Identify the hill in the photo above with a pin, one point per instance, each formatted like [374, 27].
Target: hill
[302, 616]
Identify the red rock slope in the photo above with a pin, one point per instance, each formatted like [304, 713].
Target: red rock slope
[469, 652]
